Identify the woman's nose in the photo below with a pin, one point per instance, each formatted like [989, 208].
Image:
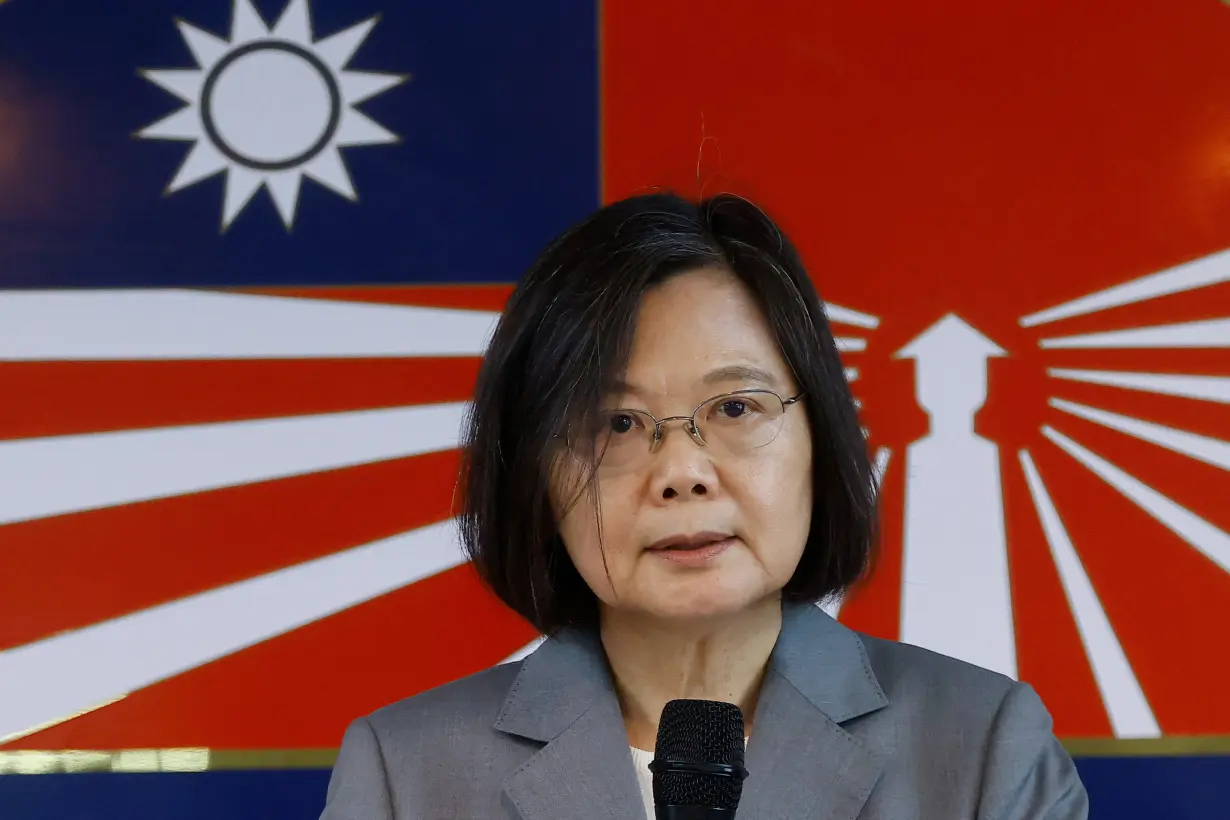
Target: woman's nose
[682, 468]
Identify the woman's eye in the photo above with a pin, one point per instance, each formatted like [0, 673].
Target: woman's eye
[622, 423]
[734, 409]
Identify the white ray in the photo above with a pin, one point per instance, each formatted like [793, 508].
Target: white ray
[183, 83]
[1209, 333]
[1126, 705]
[851, 374]
[357, 128]
[141, 324]
[1205, 537]
[295, 24]
[241, 183]
[205, 47]
[64, 675]
[358, 86]
[246, 23]
[63, 474]
[337, 49]
[329, 170]
[1204, 388]
[847, 344]
[846, 316]
[284, 188]
[1200, 273]
[204, 160]
[184, 124]
[1202, 448]
[523, 651]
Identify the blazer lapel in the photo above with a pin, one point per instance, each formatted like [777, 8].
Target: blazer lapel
[564, 697]
[801, 762]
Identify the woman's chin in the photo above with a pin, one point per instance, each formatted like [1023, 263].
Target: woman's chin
[691, 596]
[701, 604]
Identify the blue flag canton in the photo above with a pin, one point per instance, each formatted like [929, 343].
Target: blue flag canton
[292, 142]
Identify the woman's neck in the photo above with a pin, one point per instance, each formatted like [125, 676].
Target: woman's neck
[655, 661]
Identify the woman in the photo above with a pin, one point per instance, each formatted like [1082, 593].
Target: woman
[664, 473]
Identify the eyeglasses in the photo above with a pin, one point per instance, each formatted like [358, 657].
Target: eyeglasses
[735, 424]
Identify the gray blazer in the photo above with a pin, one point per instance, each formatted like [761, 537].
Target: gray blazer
[847, 727]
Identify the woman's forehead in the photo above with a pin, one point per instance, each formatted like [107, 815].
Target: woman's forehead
[701, 304]
[700, 332]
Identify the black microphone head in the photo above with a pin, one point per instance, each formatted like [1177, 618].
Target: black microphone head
[703, 732]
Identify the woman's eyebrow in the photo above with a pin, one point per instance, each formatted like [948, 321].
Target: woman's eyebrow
[740, 373]
[726, 373]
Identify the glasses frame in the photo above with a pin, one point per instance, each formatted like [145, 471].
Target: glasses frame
[690, 420]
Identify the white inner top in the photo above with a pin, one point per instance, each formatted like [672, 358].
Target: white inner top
[641, 760]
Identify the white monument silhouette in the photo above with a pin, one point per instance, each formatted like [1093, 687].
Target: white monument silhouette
[955, 595]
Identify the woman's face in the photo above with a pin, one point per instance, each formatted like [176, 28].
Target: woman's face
[698, 335]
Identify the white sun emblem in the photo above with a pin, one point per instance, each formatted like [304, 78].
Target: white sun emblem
[270, 106]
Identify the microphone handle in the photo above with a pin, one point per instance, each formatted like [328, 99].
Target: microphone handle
[692, 813]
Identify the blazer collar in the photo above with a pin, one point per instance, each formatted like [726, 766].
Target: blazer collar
[557, 683]
[564, 696]
[803, 764]
[826, 663]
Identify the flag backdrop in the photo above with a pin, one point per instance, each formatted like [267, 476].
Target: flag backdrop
[250, 254]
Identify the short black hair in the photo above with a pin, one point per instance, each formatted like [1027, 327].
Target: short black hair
[565, 335]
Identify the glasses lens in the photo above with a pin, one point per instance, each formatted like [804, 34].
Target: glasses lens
[621, 438]
[741, 422]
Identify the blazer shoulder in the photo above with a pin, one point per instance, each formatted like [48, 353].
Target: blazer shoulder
[402, 760]
[471, 702]
[987, 737]
[911, 674]
[957, 709]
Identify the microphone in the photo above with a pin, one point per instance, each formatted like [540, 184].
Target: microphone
[698, 761]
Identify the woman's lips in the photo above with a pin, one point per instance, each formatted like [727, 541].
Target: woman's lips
[694, 556]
